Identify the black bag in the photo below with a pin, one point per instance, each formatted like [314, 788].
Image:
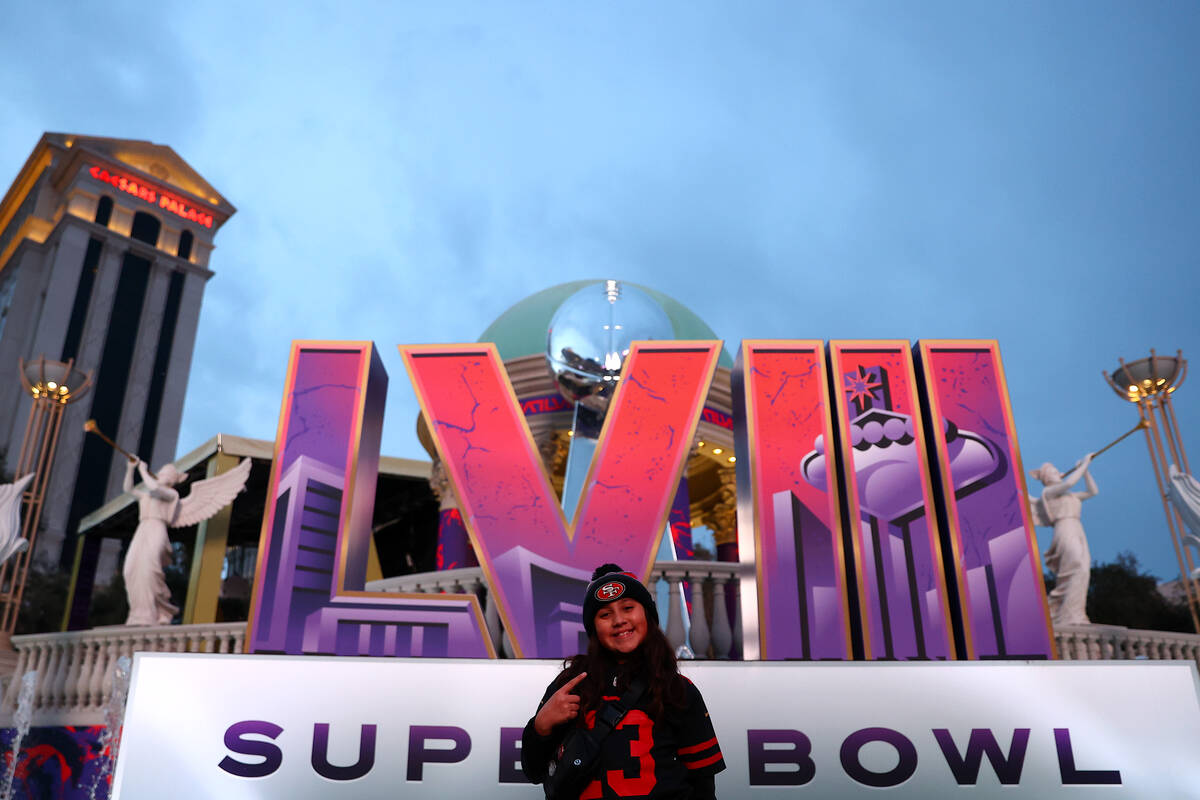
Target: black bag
[579, 753]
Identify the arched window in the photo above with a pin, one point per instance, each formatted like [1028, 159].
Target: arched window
[145, 228]
[104, 210]
[185, 245]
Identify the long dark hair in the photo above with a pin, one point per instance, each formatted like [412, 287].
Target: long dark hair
[653, 659]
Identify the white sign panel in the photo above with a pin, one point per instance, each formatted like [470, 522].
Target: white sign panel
[204, 726]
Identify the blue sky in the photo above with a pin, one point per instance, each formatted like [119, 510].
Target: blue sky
[1028, 172]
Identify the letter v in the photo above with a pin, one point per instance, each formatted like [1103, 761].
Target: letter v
[537, 565]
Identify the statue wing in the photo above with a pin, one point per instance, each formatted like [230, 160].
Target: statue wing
[1184, 493]
[1040, 515]
[209, 496]
[10, 518]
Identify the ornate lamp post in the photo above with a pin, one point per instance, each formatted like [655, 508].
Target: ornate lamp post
[1149, 383]
[53, 384]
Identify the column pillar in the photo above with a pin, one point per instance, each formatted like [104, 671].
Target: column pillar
[208, 555]
[454, 548]
[722, 518]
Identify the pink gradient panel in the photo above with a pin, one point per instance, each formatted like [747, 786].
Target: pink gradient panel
[324, 405]
[317, 526]
[995, 547]
[798, 538]
[902, 589]
[535, 566]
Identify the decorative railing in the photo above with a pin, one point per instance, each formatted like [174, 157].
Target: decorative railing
[1097, 642]
[75, 670]
[716, 621]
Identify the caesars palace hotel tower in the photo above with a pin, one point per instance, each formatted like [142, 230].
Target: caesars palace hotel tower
[104, 249]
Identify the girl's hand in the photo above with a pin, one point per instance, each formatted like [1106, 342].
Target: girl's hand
[562, 706]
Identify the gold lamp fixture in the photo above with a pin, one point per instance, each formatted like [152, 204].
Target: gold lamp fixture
[57, 381]
[1149, 383]
[52, 384]
[1148, 377]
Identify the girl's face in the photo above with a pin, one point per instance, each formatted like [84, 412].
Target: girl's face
[621, 625]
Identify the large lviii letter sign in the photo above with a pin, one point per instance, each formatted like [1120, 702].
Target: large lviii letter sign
[312, 557]
[932, 535]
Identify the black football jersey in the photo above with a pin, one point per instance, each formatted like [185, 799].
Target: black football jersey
[643, 758]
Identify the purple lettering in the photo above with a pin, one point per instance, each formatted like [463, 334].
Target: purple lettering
[320, 753]
[795, 753]
[236, 742]
[419, 755]
[510, 756]
[982, 742]
[855, 742]
[1076, 777]
[309, 596]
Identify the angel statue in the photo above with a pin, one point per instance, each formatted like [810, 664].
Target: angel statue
[160, 506]
[1184, 493]
[11, 542]
[1068, 556]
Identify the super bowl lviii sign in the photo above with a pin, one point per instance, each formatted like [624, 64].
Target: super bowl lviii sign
[931, 537]
[883, 519]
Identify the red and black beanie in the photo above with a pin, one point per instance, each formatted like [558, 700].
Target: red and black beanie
[611, 583]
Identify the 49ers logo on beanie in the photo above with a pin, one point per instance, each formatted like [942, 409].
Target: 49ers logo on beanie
[610, 591]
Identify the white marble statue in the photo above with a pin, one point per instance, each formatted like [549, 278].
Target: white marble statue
[11, 542]
[160, 506]
[1184, 492]
[1068, 557]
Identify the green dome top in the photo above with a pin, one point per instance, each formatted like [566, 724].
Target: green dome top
[521, 330]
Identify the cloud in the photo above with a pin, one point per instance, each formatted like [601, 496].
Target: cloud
[406, 172]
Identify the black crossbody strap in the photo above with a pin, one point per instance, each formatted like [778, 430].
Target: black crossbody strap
[612, 712]
[580, 751]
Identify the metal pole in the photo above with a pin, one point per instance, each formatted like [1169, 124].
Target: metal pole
[1166, 402]
[1176, 447]
[22, 470]
[1157, 459]
[37, 497]
[37, 456]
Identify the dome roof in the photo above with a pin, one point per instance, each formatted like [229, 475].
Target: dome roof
[521, 330]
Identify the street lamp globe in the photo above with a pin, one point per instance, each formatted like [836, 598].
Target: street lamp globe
[57, 381]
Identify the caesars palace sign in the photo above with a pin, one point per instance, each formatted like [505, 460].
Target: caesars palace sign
[144, 190]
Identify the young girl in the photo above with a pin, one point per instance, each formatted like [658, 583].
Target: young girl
[665, 745]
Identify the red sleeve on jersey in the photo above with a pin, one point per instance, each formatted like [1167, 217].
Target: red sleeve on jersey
[696, 748]
[698, 745]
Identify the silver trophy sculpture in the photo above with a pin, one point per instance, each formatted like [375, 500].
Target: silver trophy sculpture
[586, 345]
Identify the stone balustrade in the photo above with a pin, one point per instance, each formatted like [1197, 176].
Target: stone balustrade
[75, 670]
[1107, 642]
[716, 623]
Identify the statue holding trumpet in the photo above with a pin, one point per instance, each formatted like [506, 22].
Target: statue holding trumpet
[1068, 557]
[160, 507]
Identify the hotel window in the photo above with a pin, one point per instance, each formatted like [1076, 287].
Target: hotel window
[145, 228]
[104, 210]
[185, 245]
[8, 287]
